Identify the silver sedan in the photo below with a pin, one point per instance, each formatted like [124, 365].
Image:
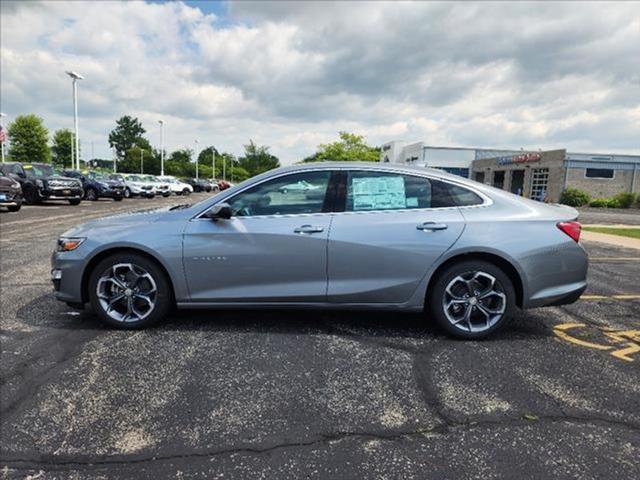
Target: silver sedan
[365, 236]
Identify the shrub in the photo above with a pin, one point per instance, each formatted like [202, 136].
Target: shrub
[605, 203]
[625, 199]
[599, 203]
[575, 197]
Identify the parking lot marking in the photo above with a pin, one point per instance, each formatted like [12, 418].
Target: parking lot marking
[626, 342]
[611, 297]
[614, 259]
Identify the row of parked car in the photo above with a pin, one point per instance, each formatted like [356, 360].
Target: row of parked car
[33, 183]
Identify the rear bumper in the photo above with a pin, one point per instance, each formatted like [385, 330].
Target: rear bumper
[555, 296]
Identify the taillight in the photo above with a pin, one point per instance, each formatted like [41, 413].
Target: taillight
[572, 229]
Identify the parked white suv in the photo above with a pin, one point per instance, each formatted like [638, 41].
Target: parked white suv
[134, 186]
[159, 187]
[176, 186]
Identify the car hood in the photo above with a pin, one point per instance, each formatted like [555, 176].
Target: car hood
[117, 222]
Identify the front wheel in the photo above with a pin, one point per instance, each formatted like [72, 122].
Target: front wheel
[117, 199]
[75, 201]
[14, 208]
[30, 196]
[91, 194]
[127, 192]
[129, 291]
[472, 299]
[186, 192]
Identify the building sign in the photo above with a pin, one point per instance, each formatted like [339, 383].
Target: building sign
[522, 158]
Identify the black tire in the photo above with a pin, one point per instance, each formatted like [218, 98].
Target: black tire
[117, 199]
[127, 192]
[30, 196]
[14, 208]
[163, 299]
[186, 192]
[478, 306]
[75, 201]
[91, 194]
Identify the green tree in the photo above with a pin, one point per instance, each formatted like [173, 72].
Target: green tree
[350, 148]
[28, 139]
[257, 159]
[128, 132]
[62, 147]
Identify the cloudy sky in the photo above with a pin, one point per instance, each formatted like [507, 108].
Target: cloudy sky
[291, 75]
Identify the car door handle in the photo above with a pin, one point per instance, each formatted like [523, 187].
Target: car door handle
[431, 226]
[309, 229]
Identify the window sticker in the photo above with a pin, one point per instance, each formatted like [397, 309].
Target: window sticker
[378, 193]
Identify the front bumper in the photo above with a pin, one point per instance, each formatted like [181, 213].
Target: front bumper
[112, 193]
[10, 199]
[66, 276]
[60, 193]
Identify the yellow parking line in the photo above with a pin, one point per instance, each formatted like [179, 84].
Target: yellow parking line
[610, 297]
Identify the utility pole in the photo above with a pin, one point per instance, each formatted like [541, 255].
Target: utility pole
[141, 161]
[224, 168]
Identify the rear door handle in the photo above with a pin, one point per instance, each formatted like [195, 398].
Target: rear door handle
[309, 229]
[431, 226]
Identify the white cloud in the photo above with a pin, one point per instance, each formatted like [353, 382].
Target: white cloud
[291, 75]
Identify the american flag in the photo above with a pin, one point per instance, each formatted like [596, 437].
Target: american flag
[3, 136]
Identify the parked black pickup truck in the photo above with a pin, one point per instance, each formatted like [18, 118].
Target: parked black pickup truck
[41, 182]
[10, 193]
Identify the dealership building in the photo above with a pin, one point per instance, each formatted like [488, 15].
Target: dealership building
[535, 174]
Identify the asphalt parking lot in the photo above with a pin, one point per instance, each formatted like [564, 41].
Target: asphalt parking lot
[271, 394]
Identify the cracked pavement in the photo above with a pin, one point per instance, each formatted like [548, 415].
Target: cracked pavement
[290, 394]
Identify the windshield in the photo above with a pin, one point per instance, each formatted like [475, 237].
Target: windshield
[40, 170]
[134, 178]
[148, 178]
[97, 176]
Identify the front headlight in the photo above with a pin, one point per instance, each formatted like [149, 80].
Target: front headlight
[39, 183]
[66, 244]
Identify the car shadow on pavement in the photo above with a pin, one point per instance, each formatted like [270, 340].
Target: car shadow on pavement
[45, 311]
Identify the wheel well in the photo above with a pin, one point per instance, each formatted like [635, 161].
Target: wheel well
[498, 261]
[102, 255]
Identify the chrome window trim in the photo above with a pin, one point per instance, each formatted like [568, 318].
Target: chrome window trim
[486, 200]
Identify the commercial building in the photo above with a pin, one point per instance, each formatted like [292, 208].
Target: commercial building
[534, 174]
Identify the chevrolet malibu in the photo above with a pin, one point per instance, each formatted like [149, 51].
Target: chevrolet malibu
[376, 237]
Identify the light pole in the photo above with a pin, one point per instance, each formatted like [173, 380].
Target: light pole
[4, 136]
[141, 160]
[195, 154]
[213, 165]
[76, 76]
[161, 122]
[224, 168]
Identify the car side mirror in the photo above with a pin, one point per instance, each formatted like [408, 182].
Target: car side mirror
[221, 211]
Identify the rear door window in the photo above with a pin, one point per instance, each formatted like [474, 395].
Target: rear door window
[373, 191]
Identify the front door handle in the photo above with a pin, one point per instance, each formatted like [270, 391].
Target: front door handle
[309, 229]
[431, 226]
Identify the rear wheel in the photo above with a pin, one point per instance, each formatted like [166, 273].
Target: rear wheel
[14, 208]
[186, 191]
[117, 199]
[129, 291]
[75, 201]
[127, 192]
[472, 299]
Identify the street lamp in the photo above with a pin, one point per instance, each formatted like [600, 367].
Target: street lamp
[141, 159]
[213, 165]
[4, 136]
[76, 76]
[195, 154]
[161, 122]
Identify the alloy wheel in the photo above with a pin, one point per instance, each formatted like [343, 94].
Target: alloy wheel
[474, 301]
[127, 292]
